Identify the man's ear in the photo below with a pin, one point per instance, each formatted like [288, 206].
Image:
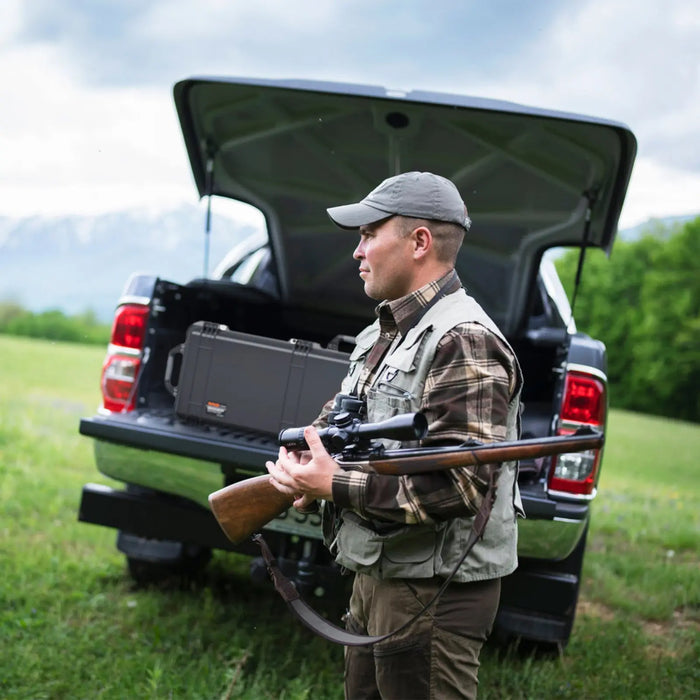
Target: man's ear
[422, 241]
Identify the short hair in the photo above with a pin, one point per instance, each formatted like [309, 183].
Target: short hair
[447, 237]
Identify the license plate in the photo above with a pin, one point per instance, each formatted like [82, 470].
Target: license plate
[292, 522]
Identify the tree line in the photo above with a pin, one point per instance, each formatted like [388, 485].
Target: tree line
[644, 304]
[53, 325]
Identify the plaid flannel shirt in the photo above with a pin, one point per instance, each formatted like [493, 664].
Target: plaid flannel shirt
[467, 392]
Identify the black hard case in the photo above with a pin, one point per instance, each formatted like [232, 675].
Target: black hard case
[238, 379]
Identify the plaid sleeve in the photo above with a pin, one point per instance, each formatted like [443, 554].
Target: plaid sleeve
[467, 393]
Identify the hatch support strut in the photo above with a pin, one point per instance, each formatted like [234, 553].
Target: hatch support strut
[591, 195]
[208, 186]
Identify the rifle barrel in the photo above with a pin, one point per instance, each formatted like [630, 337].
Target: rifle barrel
[426, 459]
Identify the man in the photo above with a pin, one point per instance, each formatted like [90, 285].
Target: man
[431, 349]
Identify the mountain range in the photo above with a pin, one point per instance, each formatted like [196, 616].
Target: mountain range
[80, 263]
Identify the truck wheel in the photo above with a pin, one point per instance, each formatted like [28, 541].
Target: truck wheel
[153, 561]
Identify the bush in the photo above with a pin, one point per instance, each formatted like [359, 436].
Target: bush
[644, 304]
[53, 325]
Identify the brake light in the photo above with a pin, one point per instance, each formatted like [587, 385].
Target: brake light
[123, 361]
[129, 326]
[584, 400]
[584, 404]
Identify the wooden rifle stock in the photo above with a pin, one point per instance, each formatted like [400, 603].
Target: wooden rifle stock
[243, 508]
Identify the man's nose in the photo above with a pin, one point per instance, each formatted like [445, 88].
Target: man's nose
[359, 251]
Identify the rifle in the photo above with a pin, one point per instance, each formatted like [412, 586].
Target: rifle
[244, 507]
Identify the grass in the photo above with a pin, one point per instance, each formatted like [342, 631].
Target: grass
[72, 625]
[637, 632]
[644, 555]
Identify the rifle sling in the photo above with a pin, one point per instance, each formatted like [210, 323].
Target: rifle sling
[332, 633]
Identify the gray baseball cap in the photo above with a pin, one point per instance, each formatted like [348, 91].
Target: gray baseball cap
[414, 194]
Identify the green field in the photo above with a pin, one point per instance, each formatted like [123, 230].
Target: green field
[72, 625]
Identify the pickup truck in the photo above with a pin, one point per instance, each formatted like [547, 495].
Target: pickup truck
[534, 181]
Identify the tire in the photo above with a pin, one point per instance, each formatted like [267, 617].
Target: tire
[154, 561]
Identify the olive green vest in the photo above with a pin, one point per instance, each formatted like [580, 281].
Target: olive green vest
[423, 551]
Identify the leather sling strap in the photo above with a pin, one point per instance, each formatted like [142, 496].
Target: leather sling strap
[332, 633]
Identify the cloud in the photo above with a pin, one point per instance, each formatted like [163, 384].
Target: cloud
[659, 190]
[148, 42]
[67, 147]
[88, 118]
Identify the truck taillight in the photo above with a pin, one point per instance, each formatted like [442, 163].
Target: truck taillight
[129, 326]
[584, 404]
[123, 361]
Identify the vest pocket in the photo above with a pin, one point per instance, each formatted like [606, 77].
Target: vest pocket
[410, 553]
[397, 387]
[405, 552]
[359, 548]
[387, 401]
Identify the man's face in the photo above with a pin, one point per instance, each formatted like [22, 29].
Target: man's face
[386, 260]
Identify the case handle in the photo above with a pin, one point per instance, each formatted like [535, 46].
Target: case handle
[340, 340]
[170, 366]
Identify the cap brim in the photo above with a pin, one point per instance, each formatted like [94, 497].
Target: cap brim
[356, 215]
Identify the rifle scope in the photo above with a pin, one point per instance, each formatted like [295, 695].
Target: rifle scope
[348, 431]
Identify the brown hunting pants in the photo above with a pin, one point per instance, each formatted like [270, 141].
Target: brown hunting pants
[436, 657]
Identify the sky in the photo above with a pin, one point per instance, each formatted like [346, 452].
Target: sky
[88, 125]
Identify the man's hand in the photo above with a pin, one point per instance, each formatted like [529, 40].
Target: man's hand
[305, 475]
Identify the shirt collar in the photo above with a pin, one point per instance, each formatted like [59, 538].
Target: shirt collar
[405, 312]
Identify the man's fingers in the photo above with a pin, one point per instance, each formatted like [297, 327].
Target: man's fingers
[303, 502]
[280, 479]
[288, 491]
[314, 442]
[278, 473]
